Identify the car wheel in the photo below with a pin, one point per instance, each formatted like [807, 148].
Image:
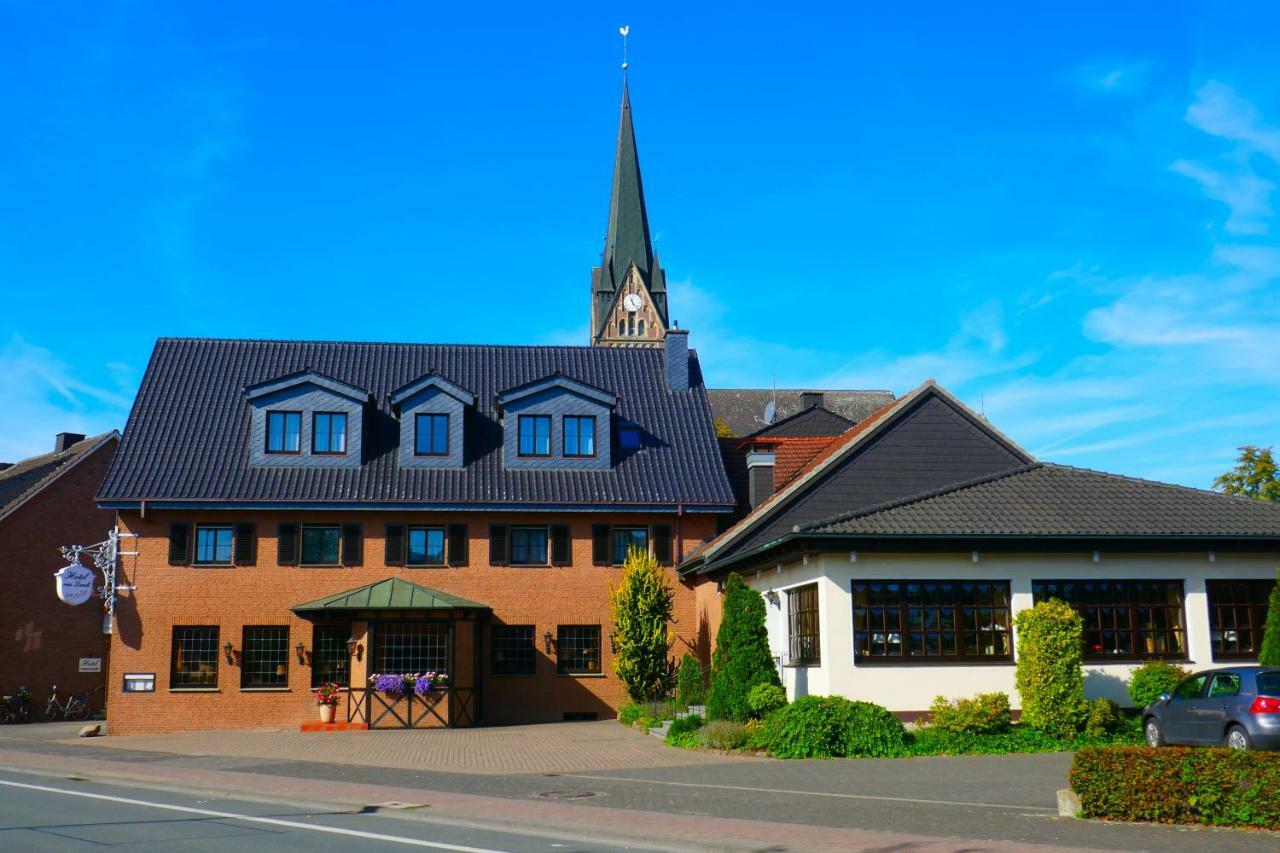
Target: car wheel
[1238, 738]
[1153, 733]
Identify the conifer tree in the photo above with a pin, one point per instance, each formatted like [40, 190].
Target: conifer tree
[642, 604]
[1270, 654]
[741, 659]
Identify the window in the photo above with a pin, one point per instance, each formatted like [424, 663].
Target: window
[802, 626]
[1224, 684]
[213, 545]
[426, 546]
[413, 647]
[1131, 620]
[431, 436]
[535, 435]
[640, 329]
[512, 650]
[1192, 688]
[626, 538]
[622, 328]
[284, 432]
[931, 620]
[194, 658]
[629, 437]
[329, 433]
[1237, 612]
[578, 649]
[330, 660]
[265, 656]
[320, 544]
[528, 546]
[579, 435]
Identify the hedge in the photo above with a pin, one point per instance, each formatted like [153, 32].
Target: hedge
[1049, 672]
[1219, 787]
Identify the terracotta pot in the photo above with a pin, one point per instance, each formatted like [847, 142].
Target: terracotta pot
[326, 713]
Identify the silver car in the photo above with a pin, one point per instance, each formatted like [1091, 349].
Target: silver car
[1237, 706]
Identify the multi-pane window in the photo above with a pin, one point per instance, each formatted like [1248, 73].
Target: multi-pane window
[410, 647]
[931, 620]
[1126, 619]
[1237, 612]
[330, 660]
[264, 656]
[426, 546]
[626, 538]
[802, 626]
[320, 544]
[194, 660]
[579, 435]
[578, 650]
[528, 546]
[512, 650]
[284, 432]
[213, 544]
[329, 433]
[535, 435]
[431, 435]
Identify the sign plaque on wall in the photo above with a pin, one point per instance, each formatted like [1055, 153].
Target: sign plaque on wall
[91, 664]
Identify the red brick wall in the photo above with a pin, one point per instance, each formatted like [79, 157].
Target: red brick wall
[263, 594]
[42, 639]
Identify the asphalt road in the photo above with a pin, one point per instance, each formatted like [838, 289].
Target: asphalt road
[42, 813]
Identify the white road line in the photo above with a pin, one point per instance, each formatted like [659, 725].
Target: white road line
[812, 793]
[271, 821]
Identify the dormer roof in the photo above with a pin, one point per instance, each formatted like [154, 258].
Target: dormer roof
[431, 379]
[306, 376]
[556, 380]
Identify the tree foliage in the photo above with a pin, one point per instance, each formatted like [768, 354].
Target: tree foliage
[1255, 475]
[741, 659]
[723, 430]
[1270, 654]
[642, 605]
[690, 689]
[1050, 675]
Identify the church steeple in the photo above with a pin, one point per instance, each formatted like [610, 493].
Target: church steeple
[629, 266]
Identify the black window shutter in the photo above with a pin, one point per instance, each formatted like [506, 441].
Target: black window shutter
[561, 552]
[352, 544]
[394, 545]
[287, 544]
[497, 544]
[179, 544]
[457, 545]
[662, 544]
[600, 555]
[246, 544]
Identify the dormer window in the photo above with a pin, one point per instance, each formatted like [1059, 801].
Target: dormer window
[535, 435]
[556, 422]
[329, 433]
[431, 435]
[284, 432]
[579, 435]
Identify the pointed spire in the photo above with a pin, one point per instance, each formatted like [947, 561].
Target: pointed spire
[627, 240]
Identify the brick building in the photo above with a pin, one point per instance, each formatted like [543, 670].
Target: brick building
[47, 502]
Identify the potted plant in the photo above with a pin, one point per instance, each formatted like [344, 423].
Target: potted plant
[327, 697]
[391, 686]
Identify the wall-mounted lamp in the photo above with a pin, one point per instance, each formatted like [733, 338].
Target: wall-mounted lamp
[546, 642]
[613, 642]
[300, 649]
[226, 650]
[773, 597]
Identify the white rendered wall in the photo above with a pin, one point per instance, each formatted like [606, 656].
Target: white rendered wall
[912, 687]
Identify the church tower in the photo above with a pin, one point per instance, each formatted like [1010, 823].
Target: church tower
[629, 288]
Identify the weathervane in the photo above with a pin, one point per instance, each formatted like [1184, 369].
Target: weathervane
[624, 31]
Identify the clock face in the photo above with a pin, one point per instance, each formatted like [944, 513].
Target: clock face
[631, 302]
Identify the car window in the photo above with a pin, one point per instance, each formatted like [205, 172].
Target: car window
[1192, 688]
[1269, 684]
[1224, 684]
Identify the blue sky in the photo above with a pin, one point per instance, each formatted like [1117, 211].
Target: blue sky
[1068, 218]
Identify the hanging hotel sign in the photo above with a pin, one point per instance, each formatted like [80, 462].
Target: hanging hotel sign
[74, 584]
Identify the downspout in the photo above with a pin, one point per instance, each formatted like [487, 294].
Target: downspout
[679, 538]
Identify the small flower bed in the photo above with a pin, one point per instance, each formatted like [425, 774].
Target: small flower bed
[328, 693]
[396, 685]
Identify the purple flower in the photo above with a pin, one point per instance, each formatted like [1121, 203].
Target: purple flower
[392, 685]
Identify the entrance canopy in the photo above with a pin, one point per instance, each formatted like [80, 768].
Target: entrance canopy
[392, 595]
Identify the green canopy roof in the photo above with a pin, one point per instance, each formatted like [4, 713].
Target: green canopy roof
[389, 594]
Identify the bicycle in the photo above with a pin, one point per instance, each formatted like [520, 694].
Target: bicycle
[16, 708]
[76, 707]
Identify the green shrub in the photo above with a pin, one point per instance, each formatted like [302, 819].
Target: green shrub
[1270, 653]
[683, 725]
[1152, 679]
[764, 699]
[1018, 738]
[741, 659]
[832, 727]
[725, 734]
[642, 603]
[686, 740]
[985, 713]
[690, 689]
[645, 722]
[1102, 717]
[1049, 674]
[1220, 787]
[628, 714]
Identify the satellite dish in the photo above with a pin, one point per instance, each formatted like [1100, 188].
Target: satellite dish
[770, 411]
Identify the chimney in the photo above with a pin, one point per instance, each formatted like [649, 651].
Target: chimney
[809, 399]
[675, 349]
[760, 459]
[63, 440]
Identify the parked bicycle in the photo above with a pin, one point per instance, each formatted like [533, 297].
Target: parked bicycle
[16, 708]
[75, 708]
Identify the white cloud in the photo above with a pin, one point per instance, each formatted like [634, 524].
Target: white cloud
[1219, 111]
[1247, 195]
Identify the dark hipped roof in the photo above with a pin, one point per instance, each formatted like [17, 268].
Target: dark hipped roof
[389, 594]
[743, 408]
[188, 434]
[24, 479]
[1057, 500]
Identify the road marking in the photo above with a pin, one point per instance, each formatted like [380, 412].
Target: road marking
[815, 793]
[271, 821]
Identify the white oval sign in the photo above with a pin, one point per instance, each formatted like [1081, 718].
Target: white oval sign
[75, 584]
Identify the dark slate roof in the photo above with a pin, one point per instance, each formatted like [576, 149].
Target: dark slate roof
[1057, 500]
[743, 408]
[24, 479]
[389, 594]
[813, 422]
[187, 436]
